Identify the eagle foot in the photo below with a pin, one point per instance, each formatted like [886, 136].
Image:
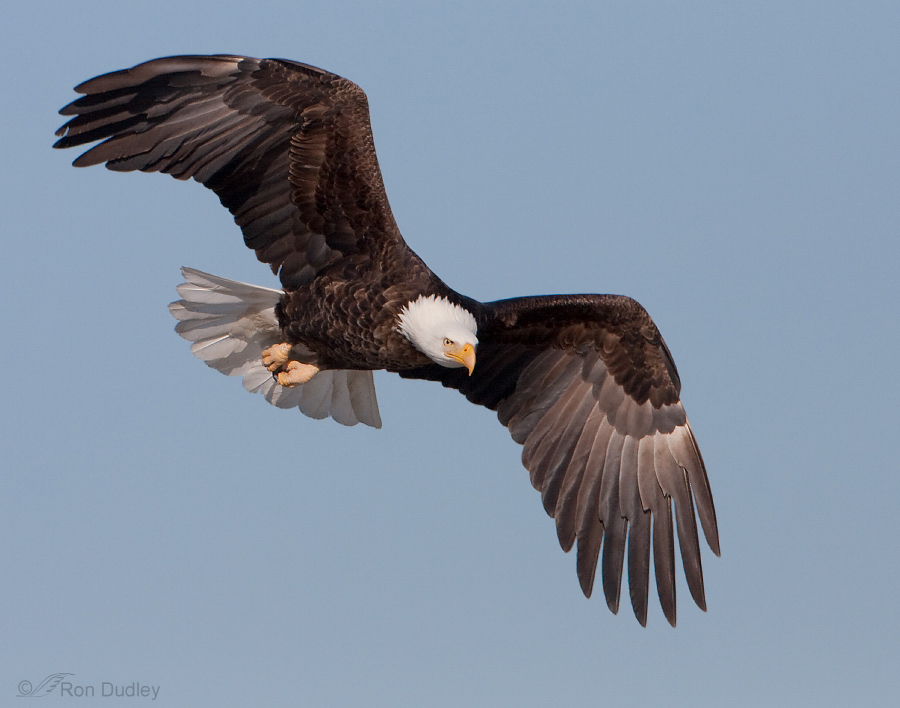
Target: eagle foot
[276, 357]
[295, 374]
[287, 372]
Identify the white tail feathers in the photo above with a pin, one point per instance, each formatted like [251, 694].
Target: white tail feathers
[230, 323]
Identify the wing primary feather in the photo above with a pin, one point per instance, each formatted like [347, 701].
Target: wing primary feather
[639, 565]
[687, 455]
[674, 483]
[615, 525]
[664, 560]
[639, 530]
[586, 557]
[587, 510]
[590, 530]
[663, 533]
[613, 561]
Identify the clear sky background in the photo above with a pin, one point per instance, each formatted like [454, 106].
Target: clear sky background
[734, 167]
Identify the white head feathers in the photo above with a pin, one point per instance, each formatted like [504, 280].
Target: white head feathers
[433, 324]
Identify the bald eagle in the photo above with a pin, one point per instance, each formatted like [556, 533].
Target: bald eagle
[584, 382]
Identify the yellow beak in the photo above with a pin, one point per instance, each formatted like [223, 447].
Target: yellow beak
[464, 355]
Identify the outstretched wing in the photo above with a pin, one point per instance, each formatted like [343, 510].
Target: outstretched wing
[587, 385]
[287, 148]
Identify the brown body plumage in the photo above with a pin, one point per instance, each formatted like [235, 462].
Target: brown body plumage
[584, 382]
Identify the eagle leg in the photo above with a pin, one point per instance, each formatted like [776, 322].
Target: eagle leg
[287, 372]
[295, 374]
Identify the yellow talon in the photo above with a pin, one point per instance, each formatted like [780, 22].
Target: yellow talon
[295, 374]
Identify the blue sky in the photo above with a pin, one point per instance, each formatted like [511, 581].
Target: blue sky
[734, 168]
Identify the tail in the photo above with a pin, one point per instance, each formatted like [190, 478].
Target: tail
[229, 325]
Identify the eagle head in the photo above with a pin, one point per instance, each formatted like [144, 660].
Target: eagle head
[444, 332]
